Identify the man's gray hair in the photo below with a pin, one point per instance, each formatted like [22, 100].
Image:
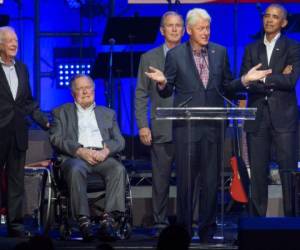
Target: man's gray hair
[195, 14]
[279, 6]
[3, 30]
[170, 13]
[75, 77]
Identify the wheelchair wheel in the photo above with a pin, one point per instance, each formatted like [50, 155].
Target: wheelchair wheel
[124, 231]
[46, 210]
[128, 203]
[65, 232]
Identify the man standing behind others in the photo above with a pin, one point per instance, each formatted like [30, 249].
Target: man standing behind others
[16, 103]
[275, 97]
[159, 134]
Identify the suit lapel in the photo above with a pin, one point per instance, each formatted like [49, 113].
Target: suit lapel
[211, 58]
[160, 57]
[20, 81]
[4, 82]
[277, 52]
[100, 120]
[262, 55]
[191, 61]
[74, 118]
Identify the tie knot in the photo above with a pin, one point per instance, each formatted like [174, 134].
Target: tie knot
[197, 53]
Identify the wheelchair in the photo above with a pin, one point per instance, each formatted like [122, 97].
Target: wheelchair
[55, 210]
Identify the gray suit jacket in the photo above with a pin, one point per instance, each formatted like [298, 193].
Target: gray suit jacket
[64, 130]
[146, 91]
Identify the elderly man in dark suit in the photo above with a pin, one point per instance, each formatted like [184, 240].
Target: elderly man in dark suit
[16, 103]
[87, 137]
[159, 134]
[198, 70]
[275, 97]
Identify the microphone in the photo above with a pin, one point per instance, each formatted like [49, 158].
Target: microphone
[112, 41]
[185, 102]
[204, 54]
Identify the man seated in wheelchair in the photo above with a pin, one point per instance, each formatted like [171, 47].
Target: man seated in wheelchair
[86, 138]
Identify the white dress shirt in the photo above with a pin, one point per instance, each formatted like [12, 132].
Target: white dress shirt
[11, 76]
[89, 134]
[270, 46]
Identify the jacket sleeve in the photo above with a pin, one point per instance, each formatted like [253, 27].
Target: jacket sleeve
[115, 141]
[287, 82]
[142, 94]
[58, 139]
[31, 106]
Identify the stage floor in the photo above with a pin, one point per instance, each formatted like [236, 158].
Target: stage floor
[141, 238]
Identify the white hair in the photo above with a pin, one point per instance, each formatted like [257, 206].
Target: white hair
[3, 30]
[75, 77]
[195, 14]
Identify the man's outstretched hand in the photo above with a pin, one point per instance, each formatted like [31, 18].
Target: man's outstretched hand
[255, 74]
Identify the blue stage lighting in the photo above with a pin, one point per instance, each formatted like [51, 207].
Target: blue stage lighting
[71, 61]
[64, 72]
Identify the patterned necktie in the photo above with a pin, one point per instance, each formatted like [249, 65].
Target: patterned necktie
[201, 60]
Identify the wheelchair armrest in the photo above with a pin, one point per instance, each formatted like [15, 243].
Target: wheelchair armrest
[44, 163]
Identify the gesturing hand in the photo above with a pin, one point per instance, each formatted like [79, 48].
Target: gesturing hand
[254, 74]
[157, 76]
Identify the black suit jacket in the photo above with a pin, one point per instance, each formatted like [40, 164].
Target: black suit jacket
[182, 75]
[13, 113]
[279, 89]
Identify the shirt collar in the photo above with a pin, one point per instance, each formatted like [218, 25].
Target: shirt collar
[274, 40]
[166, 49]
[80, 109]
[3, 63]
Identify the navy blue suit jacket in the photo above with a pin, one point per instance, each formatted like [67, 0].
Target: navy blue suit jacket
[183, 77]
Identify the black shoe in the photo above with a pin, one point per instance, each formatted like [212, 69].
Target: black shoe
[87, 234]
[13, 233]
[85, 228]
[206, 235]
[158, 228]
[107, 228]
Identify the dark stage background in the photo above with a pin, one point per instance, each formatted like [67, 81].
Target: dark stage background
[52, 33]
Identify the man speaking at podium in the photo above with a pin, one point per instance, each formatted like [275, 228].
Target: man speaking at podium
[199, 71]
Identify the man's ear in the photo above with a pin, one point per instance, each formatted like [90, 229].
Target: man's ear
[188, 30]
[284, 23]
[162, 32]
